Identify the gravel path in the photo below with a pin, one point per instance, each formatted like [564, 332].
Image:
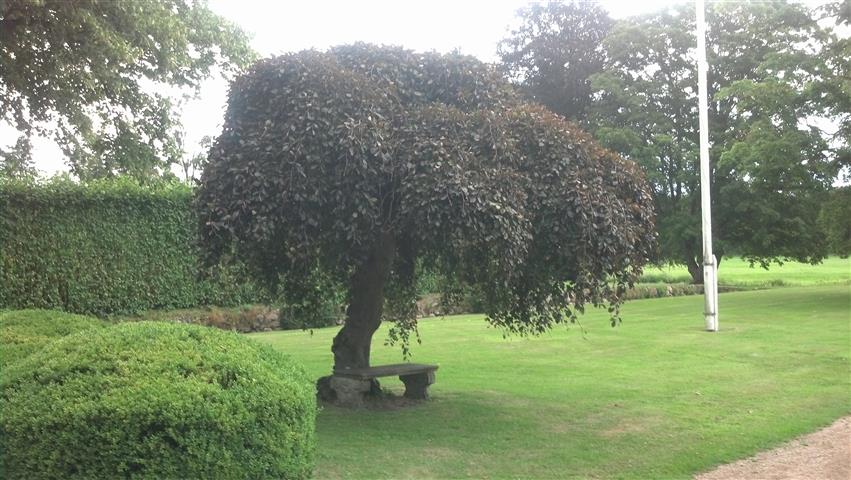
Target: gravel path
[823, 455]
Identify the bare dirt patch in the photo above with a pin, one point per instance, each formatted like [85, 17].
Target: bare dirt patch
[823, 455]
[631, 426]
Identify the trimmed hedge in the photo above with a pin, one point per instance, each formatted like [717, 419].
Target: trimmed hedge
[157, 400]
[24, 332]
[108, 247]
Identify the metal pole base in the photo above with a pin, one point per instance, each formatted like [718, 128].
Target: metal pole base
[710, 294]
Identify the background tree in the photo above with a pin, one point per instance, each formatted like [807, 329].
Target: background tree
[17, 161]
[770, 168]
[835, 91]
[83, 73]
[554, 51]
[835, 221]
[192, 165]
[351, 166]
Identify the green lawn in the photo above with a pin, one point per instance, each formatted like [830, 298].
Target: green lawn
[737, 272]
[656, 397]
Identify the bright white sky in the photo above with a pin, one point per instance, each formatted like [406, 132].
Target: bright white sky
[277, 26]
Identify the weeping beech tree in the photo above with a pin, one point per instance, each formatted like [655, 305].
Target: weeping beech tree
[353, 166]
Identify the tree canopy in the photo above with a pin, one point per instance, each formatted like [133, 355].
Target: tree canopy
[771, 164]
[554, 51]
[354, 164]
[835, 220]
[776, 69]
[85, 73]
[17, 162]
[835, 90]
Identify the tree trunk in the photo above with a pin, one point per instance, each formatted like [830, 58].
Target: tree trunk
[695, 269]
[352, 344]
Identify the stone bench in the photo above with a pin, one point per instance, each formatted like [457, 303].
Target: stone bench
[351, 384]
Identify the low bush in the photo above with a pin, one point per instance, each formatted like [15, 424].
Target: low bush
[657, 290]
[26, 331]
[157, 400]
[329, 314]
[320, 302]
[428, 281]
[244, 319]
[664, 277]
[436, 305]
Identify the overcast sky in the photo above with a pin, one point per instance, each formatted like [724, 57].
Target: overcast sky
[278, 26]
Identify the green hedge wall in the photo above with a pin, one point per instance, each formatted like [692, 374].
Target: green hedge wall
[109, 247]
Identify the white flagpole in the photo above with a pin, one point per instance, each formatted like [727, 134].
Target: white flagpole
[710, 276]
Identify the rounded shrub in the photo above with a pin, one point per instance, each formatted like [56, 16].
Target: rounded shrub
[23, 332]
[157, 400]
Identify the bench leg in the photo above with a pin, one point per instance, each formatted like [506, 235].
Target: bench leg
[416, 385]
[350, 391]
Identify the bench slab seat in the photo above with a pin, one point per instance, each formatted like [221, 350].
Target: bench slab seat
[351, 384]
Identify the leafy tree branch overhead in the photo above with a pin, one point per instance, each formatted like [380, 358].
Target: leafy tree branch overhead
[85, 72]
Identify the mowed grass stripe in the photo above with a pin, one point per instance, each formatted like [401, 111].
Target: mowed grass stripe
[738, 272]
[655, 397]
